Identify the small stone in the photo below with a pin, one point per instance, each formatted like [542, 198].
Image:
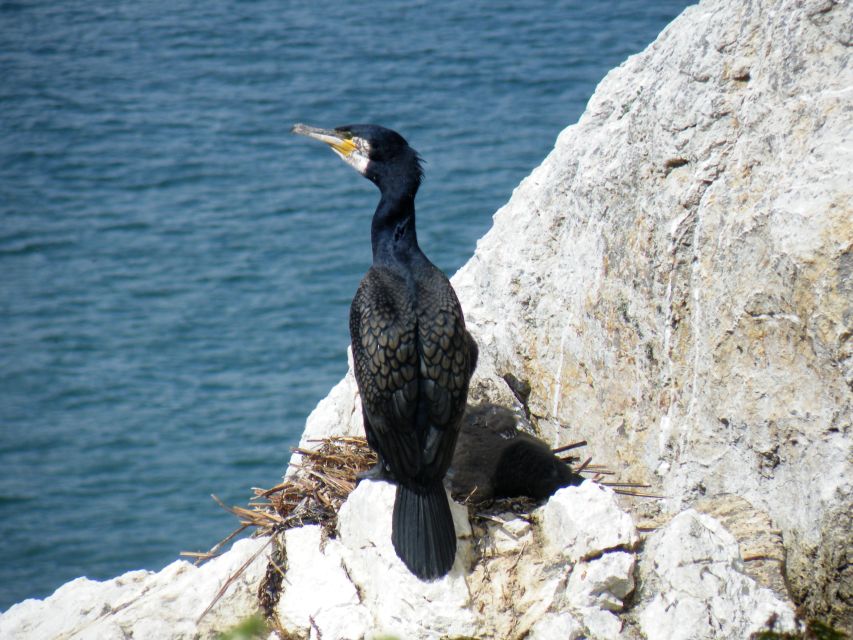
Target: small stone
[601, 625]
[581, 522]
[603, 583]
[553, 626]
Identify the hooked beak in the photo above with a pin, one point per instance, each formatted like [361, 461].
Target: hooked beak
[352, 150]
[340, 142]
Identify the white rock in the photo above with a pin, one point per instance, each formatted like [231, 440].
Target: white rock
[402, 605]
[338, 414]
[581, 522]
[674, 279]
[602, 583]
[144, 604]
[535, 590]
[510, 535]
[700, 589]
[556, 626]
[600, 624]
[318, 592]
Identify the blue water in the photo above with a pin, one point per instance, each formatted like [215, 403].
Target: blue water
[176, 268]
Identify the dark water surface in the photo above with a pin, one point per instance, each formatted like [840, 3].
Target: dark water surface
[176, 268]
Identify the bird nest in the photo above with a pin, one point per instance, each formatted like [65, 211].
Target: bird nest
[313, 493]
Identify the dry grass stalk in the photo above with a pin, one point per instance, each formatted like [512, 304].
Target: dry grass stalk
[313, 494]
[323, 479]
[568, 447]
[231, 580]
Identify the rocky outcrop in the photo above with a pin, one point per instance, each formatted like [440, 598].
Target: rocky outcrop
[673, 283]
[512, 576]
[142, 604]
[569, 570]
[695, 571]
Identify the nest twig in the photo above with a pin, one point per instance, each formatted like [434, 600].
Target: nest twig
[313, 494]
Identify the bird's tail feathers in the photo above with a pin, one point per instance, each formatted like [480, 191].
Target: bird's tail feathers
[423, 533]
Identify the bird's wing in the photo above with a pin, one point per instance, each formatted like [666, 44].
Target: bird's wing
[383, 328]
[445, 369]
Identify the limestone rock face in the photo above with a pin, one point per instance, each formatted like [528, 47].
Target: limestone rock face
[321, 592]
[674, 284]
[675, 280]
[700, 588]
[144, 604]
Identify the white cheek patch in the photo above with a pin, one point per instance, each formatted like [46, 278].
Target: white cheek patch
[356, 159]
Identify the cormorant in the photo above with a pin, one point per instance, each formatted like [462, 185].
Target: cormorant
[413, 356]
[494, 459]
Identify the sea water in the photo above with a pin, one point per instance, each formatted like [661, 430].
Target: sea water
[176, 268]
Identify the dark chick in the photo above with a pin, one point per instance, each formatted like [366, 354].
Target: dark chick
[494, 459]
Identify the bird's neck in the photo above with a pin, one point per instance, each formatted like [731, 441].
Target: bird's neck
[393, 234]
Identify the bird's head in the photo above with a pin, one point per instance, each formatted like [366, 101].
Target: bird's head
[381, 155]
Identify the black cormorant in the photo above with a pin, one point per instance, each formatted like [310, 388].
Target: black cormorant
[494, 459]
[413, 356]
